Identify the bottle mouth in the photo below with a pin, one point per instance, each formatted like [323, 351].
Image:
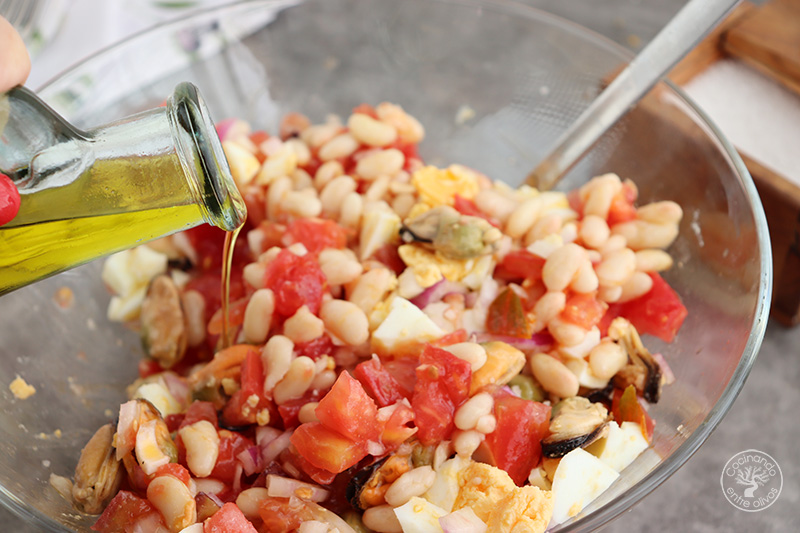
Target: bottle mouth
[223, 204]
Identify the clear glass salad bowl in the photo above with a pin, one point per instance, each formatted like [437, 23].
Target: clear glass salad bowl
[494, 83]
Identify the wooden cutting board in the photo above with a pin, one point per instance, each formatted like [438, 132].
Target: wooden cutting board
[768, 39]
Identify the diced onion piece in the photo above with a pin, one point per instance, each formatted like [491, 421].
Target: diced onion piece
[462, 521]
[284, 487]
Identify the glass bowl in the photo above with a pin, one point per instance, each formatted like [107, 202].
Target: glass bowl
[494, 83]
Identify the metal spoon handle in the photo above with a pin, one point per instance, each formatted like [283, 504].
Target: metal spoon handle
[673, 42]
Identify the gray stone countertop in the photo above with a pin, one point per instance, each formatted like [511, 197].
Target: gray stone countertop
[763, 417]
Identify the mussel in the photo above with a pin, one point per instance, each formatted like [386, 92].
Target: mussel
[575, 422]
[642, 370]
[451, 234]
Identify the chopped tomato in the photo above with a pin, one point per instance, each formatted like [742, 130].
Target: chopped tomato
[506, 316]
[316, 234]
[404, 371]
[348, 409]
[295, 281]
[255, 201]
[583, 310]
[379, 383]
[468, 207]
[273, 234]
[660, 312]
[208, 241]
[396, 429]
[121, 513]
[197, 411]
[365, 109]
[235, 316]
[454, 337]
[175, 470]
[326, 448]
[209, 285]
[515, 444]
[149, 367]
[231, 444]
[229, 519]
[387, 254]
[290, 410]
[316, 348]
[443, 382]
[622, 208]
[318, 475]
[243, 407]
[627, 407]
[282, 515]
[521, 264]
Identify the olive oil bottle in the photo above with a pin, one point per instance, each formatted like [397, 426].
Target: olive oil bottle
[86, 194]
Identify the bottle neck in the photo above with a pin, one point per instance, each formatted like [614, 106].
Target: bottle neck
[203, 159]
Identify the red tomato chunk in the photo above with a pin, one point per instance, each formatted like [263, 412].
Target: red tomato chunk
[296, 281]
[229, 519]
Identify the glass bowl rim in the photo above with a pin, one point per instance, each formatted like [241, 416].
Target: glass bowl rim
[684, 452]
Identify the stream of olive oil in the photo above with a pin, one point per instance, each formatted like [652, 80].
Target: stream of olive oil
[227, 263]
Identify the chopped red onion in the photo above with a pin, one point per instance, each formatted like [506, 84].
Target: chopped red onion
[437, 291]
[666, 371]
[150, 523]
[313, 526]
[231, 127]
[265, 435]
[177, 387]
[214, 498]
[272, 450]
[537, 342]
[284, 487]
[250, 460]
[462, 521]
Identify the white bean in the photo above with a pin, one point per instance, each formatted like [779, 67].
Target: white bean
[380, 162]
[370, 288]
[495, 204]
[606, 359]
[601, 194]
[258, 316]
[277, 357]
[339, 266]
[415, 482]
[566, 333]
[302, 204]
[562, 265]
[253, 274]
[466, 442]
[249, 500]
[664, 212]
[637, 285]
[653, 261]
[338, 147]
[334, 193]
[616, 267]
[554, 376]
[586, 279]
[486, 424]
[308, 413]
[202, 447]
[174, 501]
[370, 131]
[471, 352]
[346, 321]
[472, 410]
[594, 231]
[194, 306]
[296, 381]
[408, 128]
[327, 172]
[303, 326]
[351, 211]
[641, 234]
[381, 519]
[276, 192]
